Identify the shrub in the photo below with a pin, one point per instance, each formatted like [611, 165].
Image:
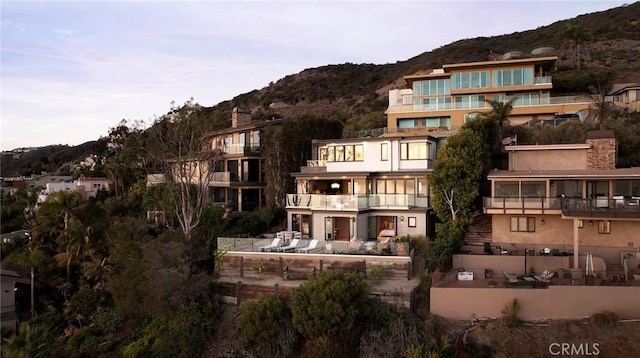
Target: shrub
[604, 318]
[510, 313]
[376, 271]
[267, 322]
[329, 304]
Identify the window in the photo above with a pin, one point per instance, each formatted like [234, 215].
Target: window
[523, 224]
[423, 190]
[384, 152]
[534, 189]
[412, 221]
[604, 227]
[570, 188]
[409, 151]
[513, 77]
[431, 87]
[506, 189]
[342, 153]
[478, 79]
[627, 188]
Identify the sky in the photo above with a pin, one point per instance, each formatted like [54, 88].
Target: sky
[71, 70]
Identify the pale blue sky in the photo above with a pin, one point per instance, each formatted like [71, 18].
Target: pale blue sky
[71, 70]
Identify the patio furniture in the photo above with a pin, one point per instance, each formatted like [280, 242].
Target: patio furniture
[313, 245]
[291, 247]
[274, 244]
[510, 280]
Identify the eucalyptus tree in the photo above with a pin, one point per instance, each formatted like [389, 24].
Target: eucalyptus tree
[177, 147]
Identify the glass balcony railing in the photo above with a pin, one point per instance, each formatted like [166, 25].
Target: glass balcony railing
[543, 80]
[602, 207]
[349, 202]
[523, 203]
[240, 148]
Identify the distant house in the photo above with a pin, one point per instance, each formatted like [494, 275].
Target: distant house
[9, 312]
[626, 95]
[87, 186]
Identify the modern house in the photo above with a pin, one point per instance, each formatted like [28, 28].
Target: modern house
[567, 199]
[445, 98]
[238, 180]
[10, 282]
[363, 189]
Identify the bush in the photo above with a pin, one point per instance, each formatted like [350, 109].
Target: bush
[267, 322]
[376, 271]
[604, 318]
[330, 304]
[510, 313]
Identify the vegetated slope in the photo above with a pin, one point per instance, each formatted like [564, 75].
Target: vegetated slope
[613, 43]
[43, 159]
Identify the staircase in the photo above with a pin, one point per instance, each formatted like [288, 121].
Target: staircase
[479, 231]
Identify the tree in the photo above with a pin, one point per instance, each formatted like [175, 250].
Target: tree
[330, 304]
[500, 112]
[576, 35]
[179, 150]
[455, 179]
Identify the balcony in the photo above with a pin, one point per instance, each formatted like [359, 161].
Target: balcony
[495, 205]
[315, 166]
[241, 149]
[542, 80]
[224, 178]
[602, 208]
[350, 202]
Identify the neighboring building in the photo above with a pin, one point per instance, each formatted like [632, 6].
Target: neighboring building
[364, 188]
[10, 185]
[569, 198]
[88, 187]
[626, 95]
[238, 181]
[40, 181]
[446, 98]
[9, 312]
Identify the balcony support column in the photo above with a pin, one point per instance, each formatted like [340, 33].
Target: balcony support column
[576, 243]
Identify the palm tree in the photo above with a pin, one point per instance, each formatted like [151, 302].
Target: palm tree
[577, 35]
[500, 113]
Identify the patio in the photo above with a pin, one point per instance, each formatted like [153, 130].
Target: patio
[353, 247]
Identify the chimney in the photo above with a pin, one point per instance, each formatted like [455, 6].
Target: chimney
[602, 152]
[240, 117]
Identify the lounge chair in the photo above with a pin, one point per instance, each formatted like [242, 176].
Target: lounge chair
[274, 244]
[291, 247]
[509, 279]
[312, 246]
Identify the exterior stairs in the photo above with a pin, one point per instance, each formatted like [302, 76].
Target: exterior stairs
[479, 231]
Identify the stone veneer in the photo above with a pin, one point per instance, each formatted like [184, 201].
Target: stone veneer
[602, 154]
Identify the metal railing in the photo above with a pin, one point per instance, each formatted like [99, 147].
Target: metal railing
[602, 207]
[542, 80]
[597, 207]
[240, 148]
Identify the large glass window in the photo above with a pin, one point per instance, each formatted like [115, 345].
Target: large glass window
[431, 87]
[568, 188]
[416, 150]
[478, 79]
[431, 122]
[534, 189]
[627, 187]
[473, 101]
[395, 186]
[506, 189]
[513, 77]
[342, 153]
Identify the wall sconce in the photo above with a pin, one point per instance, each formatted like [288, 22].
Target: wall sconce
[590, 222]
[402, 219]
[542, 222]
[335, 185]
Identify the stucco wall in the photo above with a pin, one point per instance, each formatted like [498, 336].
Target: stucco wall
[556, 302]
[548, 159]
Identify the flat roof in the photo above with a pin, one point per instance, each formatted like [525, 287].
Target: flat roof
[621, 173]
[547, 59]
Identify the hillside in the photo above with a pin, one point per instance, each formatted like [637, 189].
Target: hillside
[357, 93]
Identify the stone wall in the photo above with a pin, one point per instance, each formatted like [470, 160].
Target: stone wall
[602, 154]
